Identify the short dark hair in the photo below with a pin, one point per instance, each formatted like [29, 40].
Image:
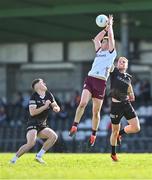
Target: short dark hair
[34, 82]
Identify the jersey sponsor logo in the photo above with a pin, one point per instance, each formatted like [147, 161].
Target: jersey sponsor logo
[126, 81]
[84, 85]
[42, 101]
[38, 101]
[101, 55]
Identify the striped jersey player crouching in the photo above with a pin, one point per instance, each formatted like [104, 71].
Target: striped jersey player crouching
[40, 104]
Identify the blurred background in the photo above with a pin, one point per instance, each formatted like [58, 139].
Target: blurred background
[51, 39]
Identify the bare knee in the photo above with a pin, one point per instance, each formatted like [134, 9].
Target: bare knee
[53, 137]
[115, 133]
[82, 104]
[137, 128]
[31, 144]
[96, 113]
[135, 125]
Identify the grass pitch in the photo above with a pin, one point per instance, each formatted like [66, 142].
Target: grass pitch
[77, 166]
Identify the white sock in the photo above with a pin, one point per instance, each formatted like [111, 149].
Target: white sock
[15, 158]
[40, 153]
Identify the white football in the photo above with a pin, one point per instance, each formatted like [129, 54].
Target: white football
[101, 20]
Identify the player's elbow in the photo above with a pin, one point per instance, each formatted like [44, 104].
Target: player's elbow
[96, 40]
[111, 46]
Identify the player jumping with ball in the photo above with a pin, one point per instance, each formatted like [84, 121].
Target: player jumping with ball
[95, 83]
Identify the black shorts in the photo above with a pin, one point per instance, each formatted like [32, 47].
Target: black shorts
[120, 109]
[33, 124]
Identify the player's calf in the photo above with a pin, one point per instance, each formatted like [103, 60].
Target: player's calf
[119, 139]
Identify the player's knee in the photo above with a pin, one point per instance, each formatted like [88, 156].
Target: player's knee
[137, 128]
[31, 144]
[115, 133]
[96, 113]
[55, 137]
[83, 104]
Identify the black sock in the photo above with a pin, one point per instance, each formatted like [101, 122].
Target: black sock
[94, 132]
[122, 132]
[75, 124]
[113, 148]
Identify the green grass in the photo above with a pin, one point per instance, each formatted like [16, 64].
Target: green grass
[77, 166]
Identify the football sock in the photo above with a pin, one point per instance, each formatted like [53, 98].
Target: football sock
[40, 153]
[94, 132]
[75, 124]
[113, 148]
[122, 132]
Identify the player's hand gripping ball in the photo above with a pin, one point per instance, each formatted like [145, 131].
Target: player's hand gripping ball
[101, 20]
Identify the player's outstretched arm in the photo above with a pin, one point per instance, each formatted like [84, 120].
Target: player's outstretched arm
[99, 37]
[111, 34]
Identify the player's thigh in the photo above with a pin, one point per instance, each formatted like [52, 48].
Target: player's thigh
[31, 136]
[134, 122]
[116, 113]
[85, 97]
[47, 133]
[96, 104]
[130, 113]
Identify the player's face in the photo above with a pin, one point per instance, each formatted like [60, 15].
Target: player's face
[41, 85]
[122, 63]
[104, 44]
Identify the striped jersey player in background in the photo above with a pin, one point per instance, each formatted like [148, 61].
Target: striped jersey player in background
[122, 94]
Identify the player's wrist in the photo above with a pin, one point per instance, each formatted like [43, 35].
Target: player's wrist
[105, 31]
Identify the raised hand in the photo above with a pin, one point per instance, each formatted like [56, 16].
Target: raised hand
[110, 19]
